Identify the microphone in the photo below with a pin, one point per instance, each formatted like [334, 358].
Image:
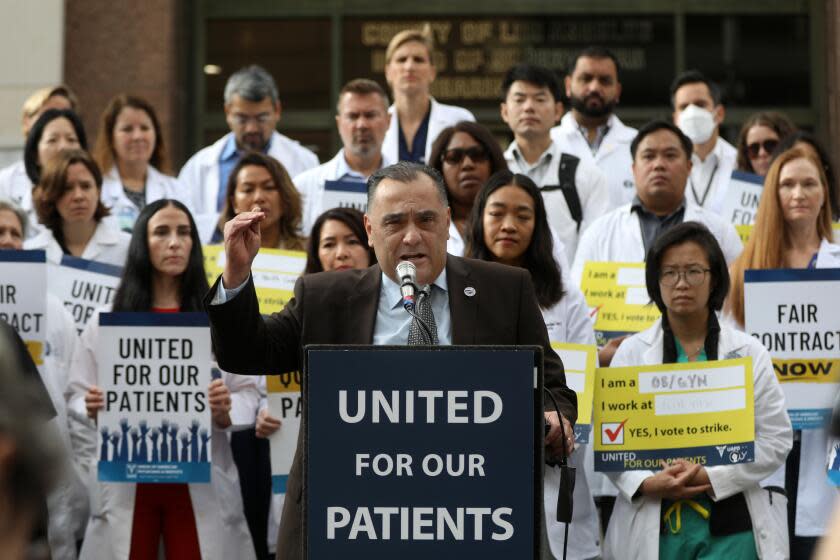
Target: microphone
[407, 275]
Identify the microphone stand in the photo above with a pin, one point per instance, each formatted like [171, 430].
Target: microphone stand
[565, 499]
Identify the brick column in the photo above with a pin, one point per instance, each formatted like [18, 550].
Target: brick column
[128, 47]
[832, 82]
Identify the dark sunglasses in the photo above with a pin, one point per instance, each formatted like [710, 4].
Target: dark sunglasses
[455, 156]
[768, 145]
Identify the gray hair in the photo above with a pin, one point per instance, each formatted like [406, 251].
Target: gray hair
[405, 172]
[6, 204]
[252, 83]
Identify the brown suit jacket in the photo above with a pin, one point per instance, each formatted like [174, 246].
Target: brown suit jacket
[340, 308]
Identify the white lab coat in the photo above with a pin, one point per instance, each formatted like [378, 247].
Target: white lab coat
[815, 495]
[311, 183]
[67, 503]
[568, 321]
[124, 212]
[441, 116]
[16, 186]
[592, 189]
[617, 236]
[108, 245]
[727, 156]
[612, 158]
[200, 176]
[634, 526]
[219, 516]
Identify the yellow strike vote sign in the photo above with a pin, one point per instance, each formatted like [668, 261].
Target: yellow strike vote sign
[617, 298]
[579, 363]
[275, 272]
[701, 411]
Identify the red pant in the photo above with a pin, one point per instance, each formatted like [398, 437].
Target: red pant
[166, 509]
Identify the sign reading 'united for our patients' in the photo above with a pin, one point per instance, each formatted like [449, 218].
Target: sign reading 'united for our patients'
[23, 301]
[154, 370]
[83, 286]
[617, 298]
[795, 314]
[702, 412]
[579, 363]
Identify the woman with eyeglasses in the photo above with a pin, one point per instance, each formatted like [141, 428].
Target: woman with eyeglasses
[687, 510]
[759, 137]
[793, 230]
[466, 155]
[509, 225]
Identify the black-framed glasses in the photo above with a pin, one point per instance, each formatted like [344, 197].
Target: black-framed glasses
[694, 276]
[755, 148]
[455, 156]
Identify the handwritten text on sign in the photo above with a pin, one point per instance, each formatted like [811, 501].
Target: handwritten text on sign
[702, 412]
[795, 314]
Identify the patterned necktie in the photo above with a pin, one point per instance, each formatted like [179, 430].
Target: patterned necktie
[416, 333]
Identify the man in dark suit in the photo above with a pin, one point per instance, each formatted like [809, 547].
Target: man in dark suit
[472, 302]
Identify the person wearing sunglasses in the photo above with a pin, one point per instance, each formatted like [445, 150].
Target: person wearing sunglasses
[758, 138]
[687, 510]
[466, 155]
[793, 230]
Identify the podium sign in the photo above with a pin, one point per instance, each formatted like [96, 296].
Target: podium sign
[417, 454]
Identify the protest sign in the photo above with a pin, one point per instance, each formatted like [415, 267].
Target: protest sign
[417, 454]
[83, 286]
[154, 370]
[740, 203]
[345, 194]
[795, 314]
[701, 411]
[579, 363]
[275, 272]
[284, 403]
[617, 297]
[23, 298]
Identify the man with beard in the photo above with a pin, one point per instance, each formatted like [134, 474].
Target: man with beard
[362, 119]
[592, 131]
[575, 191]
[252, 110]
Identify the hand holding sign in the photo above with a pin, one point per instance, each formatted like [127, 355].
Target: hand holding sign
[554, 438]
[94, 401]
[242, 242]
[220, 403]
[266, 424]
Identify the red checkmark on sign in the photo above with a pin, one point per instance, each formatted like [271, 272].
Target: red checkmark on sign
[612, 434]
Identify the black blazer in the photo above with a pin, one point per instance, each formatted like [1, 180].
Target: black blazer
[340, 308]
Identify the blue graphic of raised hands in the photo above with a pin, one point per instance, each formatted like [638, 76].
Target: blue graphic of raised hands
[144, 448]
[124, 445]
[835, 465]
[103, 451]
[220, 403]
[194, 426]
[154, 435]
[173, 442]
[185, 442]
[164, 447]
[205, 438]
[115, 442]
[135, 447]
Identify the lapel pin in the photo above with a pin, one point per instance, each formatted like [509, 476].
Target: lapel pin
[469, 291]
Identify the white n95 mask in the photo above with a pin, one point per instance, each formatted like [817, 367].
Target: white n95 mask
[697, 123]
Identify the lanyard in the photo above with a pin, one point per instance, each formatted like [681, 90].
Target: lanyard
[701, 201]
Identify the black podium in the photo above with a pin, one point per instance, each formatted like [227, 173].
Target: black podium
[423, 453]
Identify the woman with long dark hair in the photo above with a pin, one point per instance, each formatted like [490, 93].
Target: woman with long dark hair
[509, 226]
[164, 273]
[338, 241]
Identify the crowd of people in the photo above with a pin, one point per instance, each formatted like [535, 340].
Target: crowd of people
[575, 185]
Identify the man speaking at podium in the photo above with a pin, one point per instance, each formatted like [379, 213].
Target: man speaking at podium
[460, 301]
